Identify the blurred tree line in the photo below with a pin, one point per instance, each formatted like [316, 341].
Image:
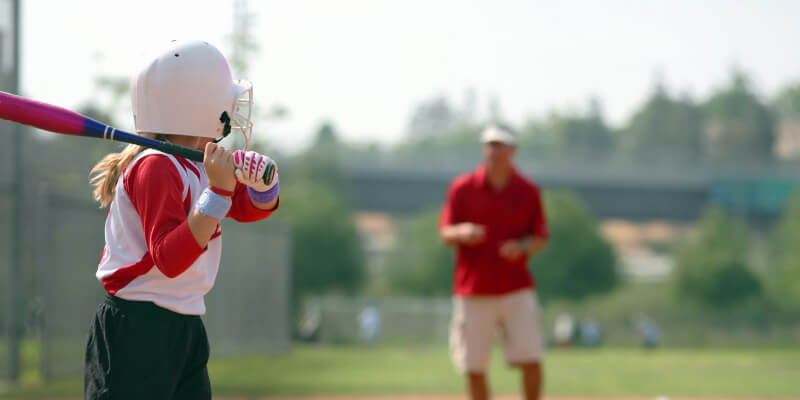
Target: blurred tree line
[715, 268]
[733, 126]
[712, 267]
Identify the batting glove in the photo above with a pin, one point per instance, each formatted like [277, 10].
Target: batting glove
[251, 168]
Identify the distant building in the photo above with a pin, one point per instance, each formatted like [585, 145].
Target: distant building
[787, 142]
[377, 231]
[644, 249]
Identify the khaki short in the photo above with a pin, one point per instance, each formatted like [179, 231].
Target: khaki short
[475, 320]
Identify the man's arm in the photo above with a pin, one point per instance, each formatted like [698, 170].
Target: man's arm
[533, 245]
[450, 235]
[453, 230]
[536, 239]
[465, 233]
[528, 245]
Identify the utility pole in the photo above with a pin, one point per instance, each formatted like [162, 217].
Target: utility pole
[15, 242]
[242, 43]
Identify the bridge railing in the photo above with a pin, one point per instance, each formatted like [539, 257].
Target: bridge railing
[610, 191]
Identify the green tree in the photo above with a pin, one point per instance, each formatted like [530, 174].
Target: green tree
[439, 131]
[787, 104]
[572, 135]
[321, 163]
[665, 130]
[739, 128]
[784, 273]
[538, 141]
[327, 253]
[370, 153]
[421, 264]
[433, 118]
[710, 267]
[588, 136]
[326, 248]
[578, 261]
[243, 45]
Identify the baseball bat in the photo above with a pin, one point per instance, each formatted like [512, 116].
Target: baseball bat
[60, 120]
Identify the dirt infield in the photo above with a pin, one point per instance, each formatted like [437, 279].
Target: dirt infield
[463, 397]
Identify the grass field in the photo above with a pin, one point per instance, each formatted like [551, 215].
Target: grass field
[414, 370]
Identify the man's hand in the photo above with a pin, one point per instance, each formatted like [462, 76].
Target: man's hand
[512, 250]
[465, 233]
[470, 233]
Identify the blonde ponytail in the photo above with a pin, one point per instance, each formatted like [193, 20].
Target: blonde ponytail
[104, 175]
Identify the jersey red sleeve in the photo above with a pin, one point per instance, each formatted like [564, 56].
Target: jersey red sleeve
[156, 190]
[538, 219]
[451, 208]
[243, 210]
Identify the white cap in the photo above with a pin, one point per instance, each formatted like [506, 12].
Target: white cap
[496, 133]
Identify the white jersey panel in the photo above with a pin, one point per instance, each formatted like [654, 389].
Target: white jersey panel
[125, 245]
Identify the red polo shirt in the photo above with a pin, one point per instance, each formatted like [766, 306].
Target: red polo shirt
[510, 214]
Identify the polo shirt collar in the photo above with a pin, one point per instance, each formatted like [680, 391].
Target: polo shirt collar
[482, 180]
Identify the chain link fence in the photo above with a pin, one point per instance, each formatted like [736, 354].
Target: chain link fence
[346, 320]
[248, 310]
[5, 233]
[425, 321]
[71, 236]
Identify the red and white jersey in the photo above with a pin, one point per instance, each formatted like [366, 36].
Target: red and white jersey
[150, 253]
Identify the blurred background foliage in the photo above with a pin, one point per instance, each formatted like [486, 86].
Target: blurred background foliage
[713, 266]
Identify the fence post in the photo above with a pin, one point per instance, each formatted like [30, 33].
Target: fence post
[14, 267]
[41, 260]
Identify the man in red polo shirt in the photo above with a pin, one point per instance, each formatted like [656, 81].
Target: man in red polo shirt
[494, 218]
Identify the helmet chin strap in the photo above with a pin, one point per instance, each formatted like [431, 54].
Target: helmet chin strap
[226, 130]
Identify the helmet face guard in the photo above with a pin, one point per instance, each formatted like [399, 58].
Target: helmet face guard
[242, 110]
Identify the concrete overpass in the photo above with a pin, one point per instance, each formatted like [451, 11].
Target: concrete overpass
[634, 194]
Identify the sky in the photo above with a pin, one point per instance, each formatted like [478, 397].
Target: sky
[365, 64]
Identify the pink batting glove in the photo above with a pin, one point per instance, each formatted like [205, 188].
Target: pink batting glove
[250, 168]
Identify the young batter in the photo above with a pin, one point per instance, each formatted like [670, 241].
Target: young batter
[163, 244]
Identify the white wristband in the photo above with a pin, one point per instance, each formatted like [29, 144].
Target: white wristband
[212, 204]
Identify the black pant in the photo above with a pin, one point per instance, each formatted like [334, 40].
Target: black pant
[138, 350]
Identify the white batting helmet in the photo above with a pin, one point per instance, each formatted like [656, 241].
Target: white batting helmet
[188, 90]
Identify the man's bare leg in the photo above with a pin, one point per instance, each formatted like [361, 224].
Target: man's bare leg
[531, 380]
[478, 388]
